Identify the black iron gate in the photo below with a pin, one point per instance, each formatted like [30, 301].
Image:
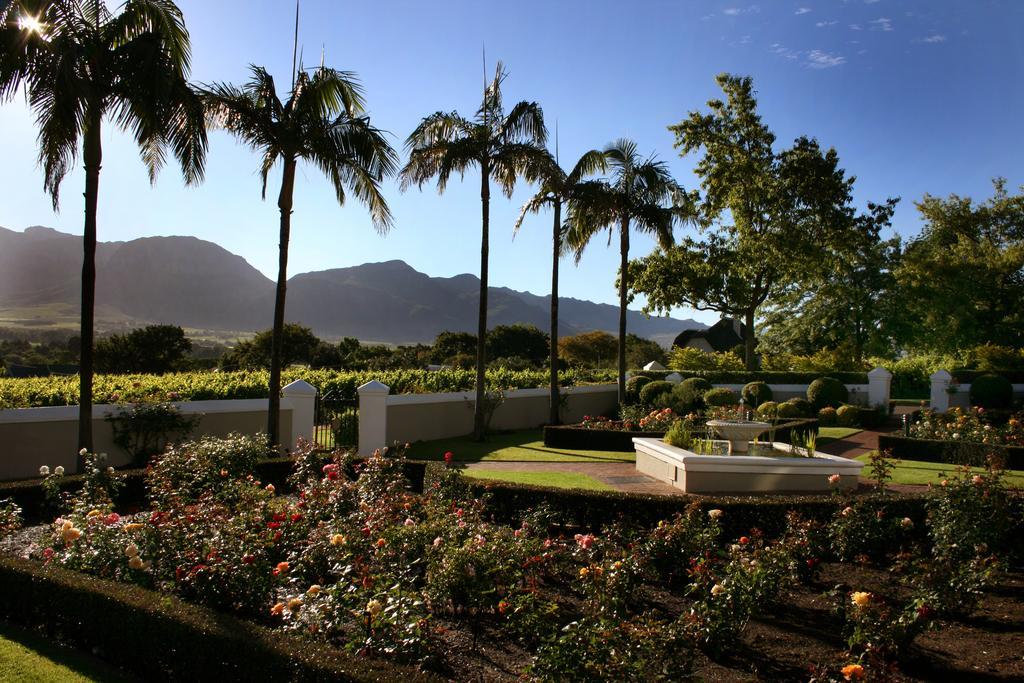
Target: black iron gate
[337, 421]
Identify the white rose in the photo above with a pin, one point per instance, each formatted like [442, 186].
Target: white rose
[44, 471]
[83, 452]
[714, 514]
[59, 470]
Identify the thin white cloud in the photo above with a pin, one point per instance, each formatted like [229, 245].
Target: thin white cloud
[814, 59]
[818, 59]
[825, 24]
[736, 11]
[871, 2]
[934, 38]
[881, 24]
[802, 10]
[856, 27]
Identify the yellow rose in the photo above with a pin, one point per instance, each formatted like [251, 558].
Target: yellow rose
[337, 539]
[861, 598]
[313, 590]
[133, 526]
[277, 609]
[93, 513]
[294, 604]
[717, 589]
[132, 550]
[70, 535]
[374, 607]
[135, 562]
[584, 572]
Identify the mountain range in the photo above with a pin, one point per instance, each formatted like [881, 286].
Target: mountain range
[198, 284]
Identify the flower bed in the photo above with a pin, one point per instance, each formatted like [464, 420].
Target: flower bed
[974, 425]
[437, 581]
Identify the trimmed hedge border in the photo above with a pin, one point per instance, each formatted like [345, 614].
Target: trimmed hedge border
[593, 510]
[157, 636]
[968, 376]
[949, 452]
[573, 437]
[768, 376]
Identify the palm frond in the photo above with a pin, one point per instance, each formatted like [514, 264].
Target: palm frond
[525, 123]
[520, 160]
[591, 163]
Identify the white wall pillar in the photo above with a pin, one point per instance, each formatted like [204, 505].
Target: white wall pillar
[302, 397]
[373, 416]
[940, 391]
[879, 382]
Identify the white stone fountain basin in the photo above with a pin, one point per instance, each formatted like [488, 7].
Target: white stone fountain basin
[739, 433]
[695, 473]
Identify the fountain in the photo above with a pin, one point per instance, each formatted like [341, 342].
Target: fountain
[739, 432]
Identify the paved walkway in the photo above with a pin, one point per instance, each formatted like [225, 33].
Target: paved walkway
[622, 476]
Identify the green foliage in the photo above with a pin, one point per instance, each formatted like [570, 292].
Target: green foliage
[187, 471]
[720, 397]
[827, 417]
[770, 409]
[298, 344]
[679, 435]
[634, 385]
[449, 344]
[653, 390]
[145, 429]
[847, 416]
[518, 341]
[594, 349]
[640, 351]
[692, 359]
[827, 391]
[10, 517]
[155, 349]
[756, 393]
[686, 397]
[866, 531]
[991, 391]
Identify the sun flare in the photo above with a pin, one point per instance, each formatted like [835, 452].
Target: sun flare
[31, 24]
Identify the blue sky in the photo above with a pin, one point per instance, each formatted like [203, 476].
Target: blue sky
[916, 96]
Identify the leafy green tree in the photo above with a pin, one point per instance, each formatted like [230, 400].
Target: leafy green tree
[640, 195]
[555, 189]
[298, 345]
[504, 148]
[763, 218]
[848, 304]
[640, 351]
[594, 349]
[962, 280]
[448, 344]
[154, 349]
[518, 341]
[322, 122]
[80, 63]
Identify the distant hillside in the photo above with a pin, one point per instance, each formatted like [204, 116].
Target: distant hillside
[198, 284]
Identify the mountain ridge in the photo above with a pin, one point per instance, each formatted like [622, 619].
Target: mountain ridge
[196, 283]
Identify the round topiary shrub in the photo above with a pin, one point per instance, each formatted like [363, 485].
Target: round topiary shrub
[788, 410]
[653, 390]
[802, 405]
[768, 410]
[756, 393]
[827, 417]
[847, 416]
[678, 435]
[720, 397]
[634, 385]
[684, 399]
[827, 392]
[698, 385]
[991, 391]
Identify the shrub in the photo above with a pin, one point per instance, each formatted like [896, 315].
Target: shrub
[697, 384]
[187, 471]
[689, 358]
[788, 410]
[756, 393]
[634, 385]
[653, 390]
[827, 391]
[146, 429]
[768, 409]
[847, 416]
[991, 392]
[827, 417]
[684, 399]
[679, 435]
[10, 517]
[720, 397]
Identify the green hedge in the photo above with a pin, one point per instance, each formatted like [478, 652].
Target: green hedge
[593, 510]
[156, 636]
[950, 452]
[968, 376]
[767, 376]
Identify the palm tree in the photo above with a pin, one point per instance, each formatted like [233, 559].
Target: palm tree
[504, 148]
[80, 63]
[322, 122]
[556, 188]
[641, 194]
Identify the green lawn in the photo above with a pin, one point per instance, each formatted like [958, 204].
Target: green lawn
[917, 472]
[524, 446]
[28, 658]
[562, 480]
[830, 434]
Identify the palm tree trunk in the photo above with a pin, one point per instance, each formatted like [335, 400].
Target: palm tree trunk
[479, 426]
[556, 244]
[284, 204]
[93, 156]
[623, 286]
[750, 360]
